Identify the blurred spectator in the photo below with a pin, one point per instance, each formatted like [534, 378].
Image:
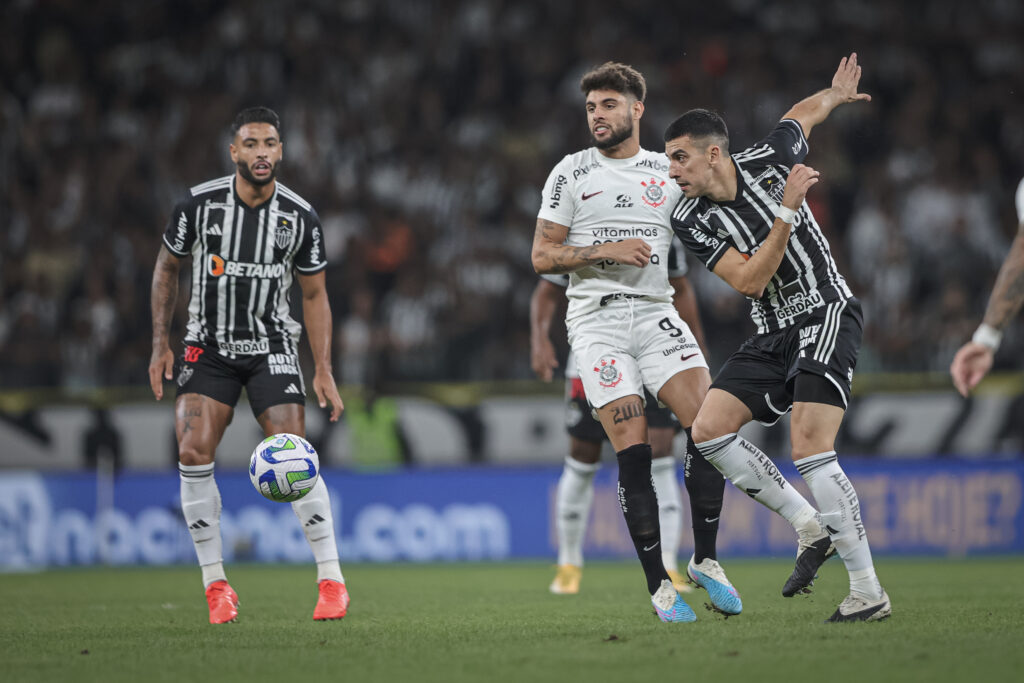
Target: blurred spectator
[423, 132]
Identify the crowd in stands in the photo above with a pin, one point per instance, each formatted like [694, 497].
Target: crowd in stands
[423, 131]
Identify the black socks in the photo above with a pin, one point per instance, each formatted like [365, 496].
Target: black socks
[705, 486]
[640, 507]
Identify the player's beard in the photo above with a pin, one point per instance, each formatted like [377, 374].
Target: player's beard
[618, 136]
[243, 169]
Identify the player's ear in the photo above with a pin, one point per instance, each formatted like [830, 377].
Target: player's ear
[234, 152]
[638, 110]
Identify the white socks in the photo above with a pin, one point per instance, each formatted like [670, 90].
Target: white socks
[200, 504]
[572, 509]
[314, 513]
[840, 514]
[670, 509]
[753, 472]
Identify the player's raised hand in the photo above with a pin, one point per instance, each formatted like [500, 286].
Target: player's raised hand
[542, 359]
[801, 178]
[161, 367]
[970, 364]
[631, 252]
[327, 392]
[846, 80]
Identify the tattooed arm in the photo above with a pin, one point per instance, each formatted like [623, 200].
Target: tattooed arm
[162, 297]
[551, 254]
[974, 359]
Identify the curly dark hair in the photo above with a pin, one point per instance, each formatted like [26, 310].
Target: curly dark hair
[621, 78]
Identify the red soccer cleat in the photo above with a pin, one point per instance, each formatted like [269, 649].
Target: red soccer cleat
[223, 602]
[333, 602]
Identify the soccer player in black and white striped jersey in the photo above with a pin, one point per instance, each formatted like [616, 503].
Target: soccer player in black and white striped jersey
[744, 216]
[246, 234]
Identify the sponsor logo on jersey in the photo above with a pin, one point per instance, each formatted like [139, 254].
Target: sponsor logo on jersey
[248, 347]
[623, 201]
[314, 249]
[608, 375]
[654, 195]
[624, 233]
[182, 230]
[218, 266]
[701, 237]
[796, 146]
[798, 304]
[672, 350]
[556, 192]
[652, 164]
[584, 170]
[214, 230]
[192, 353]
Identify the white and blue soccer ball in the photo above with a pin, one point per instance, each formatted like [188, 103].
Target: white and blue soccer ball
[284, 467]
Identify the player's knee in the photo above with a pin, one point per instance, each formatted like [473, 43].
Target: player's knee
[190, 456]
[587, 452]
[704, 429]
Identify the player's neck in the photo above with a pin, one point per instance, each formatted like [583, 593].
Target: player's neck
[725, 186]
[629, 147]
[253, 195]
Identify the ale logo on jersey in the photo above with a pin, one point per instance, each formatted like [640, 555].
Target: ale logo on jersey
[654, 195]
[608, 375]
[218, 266]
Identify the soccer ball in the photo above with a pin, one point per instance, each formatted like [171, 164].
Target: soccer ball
[284, 467]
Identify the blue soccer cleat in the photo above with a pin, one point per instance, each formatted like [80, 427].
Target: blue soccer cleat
[669, 606]
[710, 576]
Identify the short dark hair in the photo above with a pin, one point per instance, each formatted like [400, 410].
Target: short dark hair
[621, 78]
[700, 124]
[256, 115]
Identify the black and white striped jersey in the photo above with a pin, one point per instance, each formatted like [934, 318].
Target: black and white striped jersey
[242, 264]
[807, 278]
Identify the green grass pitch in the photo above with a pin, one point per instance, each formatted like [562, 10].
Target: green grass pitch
[953, 620]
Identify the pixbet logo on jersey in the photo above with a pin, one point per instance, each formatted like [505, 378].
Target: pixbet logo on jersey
[218, 266]
[608, 375]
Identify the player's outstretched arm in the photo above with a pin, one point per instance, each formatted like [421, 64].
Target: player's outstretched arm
[543, 304]
[163, 294]
[811, 111]
[552, 256]
[974, 359]
[316, 311]
[751, 276]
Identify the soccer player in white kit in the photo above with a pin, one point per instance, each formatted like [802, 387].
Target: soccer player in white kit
[605, 220]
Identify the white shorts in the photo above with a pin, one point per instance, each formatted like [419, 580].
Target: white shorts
[628, 344]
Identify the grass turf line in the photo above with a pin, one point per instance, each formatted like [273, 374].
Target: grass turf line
[952, 619]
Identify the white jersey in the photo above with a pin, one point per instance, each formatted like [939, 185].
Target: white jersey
[1020, 202]
[608, 200]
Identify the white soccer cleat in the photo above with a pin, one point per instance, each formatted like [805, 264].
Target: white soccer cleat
[859, 608]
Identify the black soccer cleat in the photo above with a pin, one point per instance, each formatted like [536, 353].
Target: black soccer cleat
[858, 608]
[810, 557]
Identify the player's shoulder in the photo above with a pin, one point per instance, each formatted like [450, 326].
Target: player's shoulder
[689, 210]
[217, 186]
[288, 196]
[579, 163]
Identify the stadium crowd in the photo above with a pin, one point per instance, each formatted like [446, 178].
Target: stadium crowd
[422, 132]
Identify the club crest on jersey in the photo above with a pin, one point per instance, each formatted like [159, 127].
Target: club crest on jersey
[283, 233]
[654, 195]
[608, 375]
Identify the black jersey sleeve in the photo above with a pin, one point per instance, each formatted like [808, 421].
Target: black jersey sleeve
[180, 234]
[707, 247]
[785, 146]
[310, 258]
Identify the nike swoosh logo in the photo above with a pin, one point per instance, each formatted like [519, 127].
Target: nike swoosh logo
[711, 520]
[685, 357]
[652, 547]
[592, 194]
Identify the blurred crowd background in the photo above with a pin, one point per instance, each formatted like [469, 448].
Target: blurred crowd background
[423, 132]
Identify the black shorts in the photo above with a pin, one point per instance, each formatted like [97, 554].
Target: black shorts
[825, 342]
[269, 379]
[580, 421]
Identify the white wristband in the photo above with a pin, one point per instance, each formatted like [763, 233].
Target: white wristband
[986, 335]
[785, 214]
